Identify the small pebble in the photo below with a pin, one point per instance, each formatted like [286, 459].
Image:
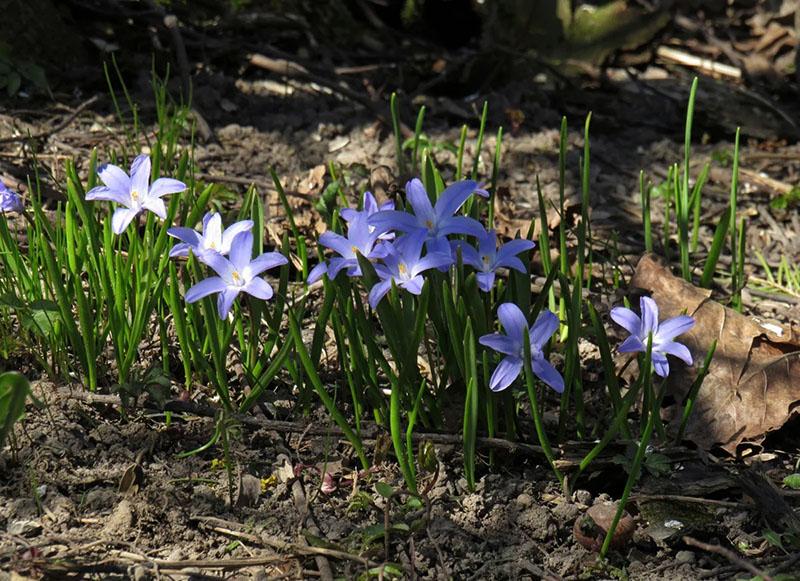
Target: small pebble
[524, 500]
[24, 528]
[684, 557]
[583, 497]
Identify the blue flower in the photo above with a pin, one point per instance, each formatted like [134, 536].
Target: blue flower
[212, 240]
[663, 334]
[436, 221]
[370, 207]
[403, 265]
[134, 192]
[487, 258]
[9, 200]
[237, 274]
[361, 239]
[512, 345]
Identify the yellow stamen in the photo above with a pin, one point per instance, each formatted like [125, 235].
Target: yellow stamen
[236, 278]
[485, 259]
[354, 250]
[429, 224]
[134, 195]
[402, 268]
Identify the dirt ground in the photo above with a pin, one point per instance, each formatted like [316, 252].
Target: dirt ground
[93, 491]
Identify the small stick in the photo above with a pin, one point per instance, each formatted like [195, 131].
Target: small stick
[695, 499]
[728, 554]
[684, 58]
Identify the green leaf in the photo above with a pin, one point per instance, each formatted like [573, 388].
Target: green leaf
[792, 481]
[384, 489]
[14, 391]
[41, 317]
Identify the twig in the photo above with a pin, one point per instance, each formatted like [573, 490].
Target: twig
[689, 60]
[307, 518]
[728, 554]
[693, 499]
[61, 126]
[226, 527]
[202, 563]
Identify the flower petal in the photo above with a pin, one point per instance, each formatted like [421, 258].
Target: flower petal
[219, 264]
[679, 350]
[181, 249]
[204, 288]
[140, 176]
[212, 232]
[632, 345]
[420, 202]
[241, 250]
[109, 194]
[505, 373]
[649, 310]
[316, 273]
[155, 205]
[453, 197]
[370, 204]
[259, 288]
[121, 219]
[500, 343]
[485, 281]
[433, 260]
[378, 291]
[460, 225]
[546, 324]
[116, 179]
[675, 326]
[348, 214]
[266, 261]
[545, 371]
[414, 285]
[514, 322]
[225, 301]
[627, 319]
[393, 220]
[187, 235]
[337, 243]
[231, 231]
[660, 365]
[515, 247]
[469, 255]
[511, 262]
[337, 264]
[166, 186]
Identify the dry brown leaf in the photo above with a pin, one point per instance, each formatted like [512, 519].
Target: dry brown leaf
[753, 383]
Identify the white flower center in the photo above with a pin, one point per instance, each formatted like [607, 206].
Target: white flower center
[237, 278]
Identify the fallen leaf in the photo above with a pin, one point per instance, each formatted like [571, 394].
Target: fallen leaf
[752, 385]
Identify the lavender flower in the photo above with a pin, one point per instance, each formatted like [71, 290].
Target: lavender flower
[237, 274]
[512, 345]
[370, 207]
[436, 221]
[663, 333]
[134, 192]
[361, 239]
[487, 258]
[213, 239]
[9, 200]
[403, 266]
